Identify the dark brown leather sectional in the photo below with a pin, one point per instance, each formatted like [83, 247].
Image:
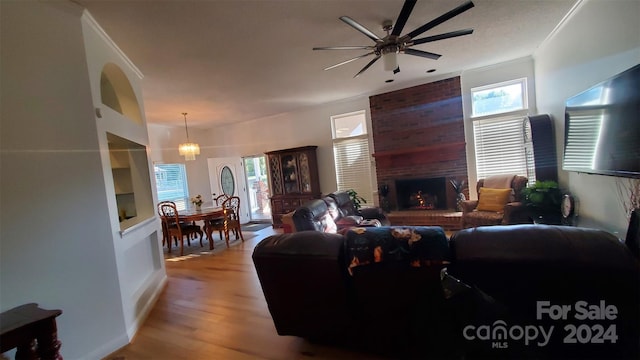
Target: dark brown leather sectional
[383, 290]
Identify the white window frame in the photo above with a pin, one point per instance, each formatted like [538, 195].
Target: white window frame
[524, 97]
[354, 173]
[494, 155]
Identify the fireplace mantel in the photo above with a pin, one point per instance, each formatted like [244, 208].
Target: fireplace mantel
[419, 155]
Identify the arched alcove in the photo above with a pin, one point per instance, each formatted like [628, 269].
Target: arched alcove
[116, 92]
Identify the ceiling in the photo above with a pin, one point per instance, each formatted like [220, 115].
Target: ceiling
[237, 60]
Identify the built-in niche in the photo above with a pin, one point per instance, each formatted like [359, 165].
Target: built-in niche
[116, 92]
[131, 181]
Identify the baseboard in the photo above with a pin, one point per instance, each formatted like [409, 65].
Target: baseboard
[146, 309]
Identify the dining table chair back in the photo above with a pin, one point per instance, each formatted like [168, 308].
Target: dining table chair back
[218, 200]
[165, 230]
[175, 228]
[231, 219]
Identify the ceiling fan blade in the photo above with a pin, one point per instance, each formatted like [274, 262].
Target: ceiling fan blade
[367, 66]
[425, 54]
[345, 48]
[440, 19]
[350, 60]
[360, 28]
[403, 17]
[448, 35]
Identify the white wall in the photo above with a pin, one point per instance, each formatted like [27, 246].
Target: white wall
[60, 239]
[311, 126]
[600, 39]
[56, 247]
[164, 150]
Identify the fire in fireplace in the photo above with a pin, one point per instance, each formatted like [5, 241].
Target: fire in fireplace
[421, 194]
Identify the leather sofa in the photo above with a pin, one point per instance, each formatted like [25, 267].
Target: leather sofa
[335, 212]
[411, 292]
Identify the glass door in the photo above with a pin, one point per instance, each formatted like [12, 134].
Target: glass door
[258, 188]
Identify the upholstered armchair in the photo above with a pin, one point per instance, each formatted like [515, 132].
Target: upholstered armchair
[499, 204]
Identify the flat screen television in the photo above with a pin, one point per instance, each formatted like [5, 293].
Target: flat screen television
[602, 127]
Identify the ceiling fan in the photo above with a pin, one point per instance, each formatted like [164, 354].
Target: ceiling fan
[389, 46]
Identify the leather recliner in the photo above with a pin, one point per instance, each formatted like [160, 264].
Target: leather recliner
[335, 212]
[377, 289]
[531, 271]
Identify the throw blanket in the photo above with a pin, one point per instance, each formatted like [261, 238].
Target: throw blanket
[499, 181]
[412, 246]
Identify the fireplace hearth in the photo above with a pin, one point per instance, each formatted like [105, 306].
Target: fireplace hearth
[421, 194]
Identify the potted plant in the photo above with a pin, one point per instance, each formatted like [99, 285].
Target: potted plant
[356, 199]
[543, 200]
[458, 187]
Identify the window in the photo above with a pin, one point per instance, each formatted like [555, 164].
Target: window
[501, 133]
[171, 181]
[499, 98]
[351, 153]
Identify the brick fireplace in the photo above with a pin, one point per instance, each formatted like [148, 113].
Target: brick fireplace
[419, 143]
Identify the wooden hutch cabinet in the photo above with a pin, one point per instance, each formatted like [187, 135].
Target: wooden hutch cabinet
[293, 176]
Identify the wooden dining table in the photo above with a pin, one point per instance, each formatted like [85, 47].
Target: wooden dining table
[208, 211]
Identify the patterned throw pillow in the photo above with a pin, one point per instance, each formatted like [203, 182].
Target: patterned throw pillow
[493, 199]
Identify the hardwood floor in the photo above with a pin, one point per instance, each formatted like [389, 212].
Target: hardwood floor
[213, 308]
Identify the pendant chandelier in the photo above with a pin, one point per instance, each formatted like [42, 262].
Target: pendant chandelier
[189, 150]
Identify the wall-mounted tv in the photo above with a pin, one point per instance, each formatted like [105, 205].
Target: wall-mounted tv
[602, 127]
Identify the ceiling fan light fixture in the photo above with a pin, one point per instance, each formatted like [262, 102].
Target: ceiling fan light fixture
[390, 58]
[394, 42]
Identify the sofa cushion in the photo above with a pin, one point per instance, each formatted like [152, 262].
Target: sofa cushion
[327, 224]
[484, 218]
[332, 207]
[521, 265]
[304, 282]
[493, 199]
[343, 202]
[309, 216]
[352, 220]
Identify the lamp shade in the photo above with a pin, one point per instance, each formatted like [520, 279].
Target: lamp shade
[390, 61]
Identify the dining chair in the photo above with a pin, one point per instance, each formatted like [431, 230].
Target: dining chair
[165, 232]
[172, 227]
[230, 220]
[220, 199]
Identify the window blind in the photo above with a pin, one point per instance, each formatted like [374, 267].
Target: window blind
[582, 143]
[500, 147]
[353, 166]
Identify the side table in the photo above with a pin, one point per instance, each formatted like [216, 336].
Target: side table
[32, 330]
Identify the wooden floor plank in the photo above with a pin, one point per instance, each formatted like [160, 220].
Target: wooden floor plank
[213, 308]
